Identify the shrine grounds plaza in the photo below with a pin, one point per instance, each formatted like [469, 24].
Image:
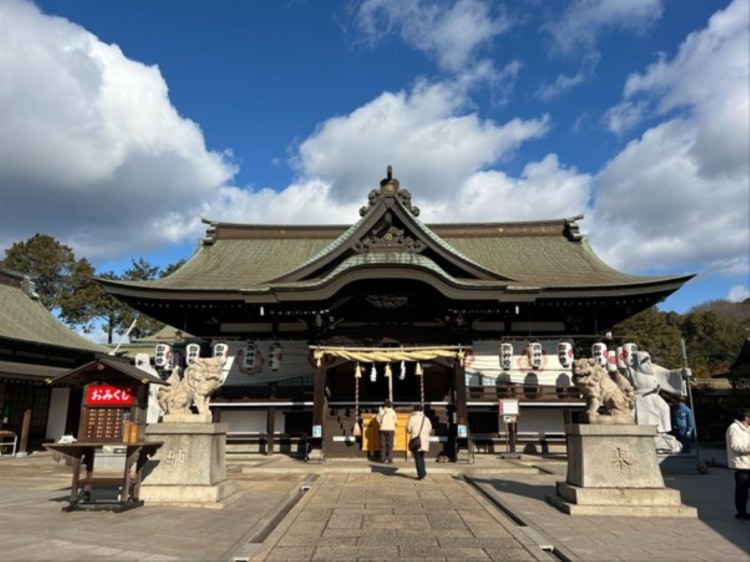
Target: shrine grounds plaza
[286, 509]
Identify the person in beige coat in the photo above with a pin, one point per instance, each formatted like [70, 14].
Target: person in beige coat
[387, 421]
[738, 459]
[419, 425]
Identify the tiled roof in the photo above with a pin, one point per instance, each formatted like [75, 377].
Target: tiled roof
[24, 318]
[11, 370]
[116, 369]
[532, 254]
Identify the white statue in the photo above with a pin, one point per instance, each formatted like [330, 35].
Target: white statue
[202, 377]
[649, 379]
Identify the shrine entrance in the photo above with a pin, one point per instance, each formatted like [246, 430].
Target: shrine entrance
[355, 390]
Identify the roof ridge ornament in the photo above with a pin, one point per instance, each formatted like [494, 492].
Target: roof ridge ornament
[389, 188]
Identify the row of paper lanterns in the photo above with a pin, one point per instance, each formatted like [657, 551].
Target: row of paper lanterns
[164, 357]
[612, 359]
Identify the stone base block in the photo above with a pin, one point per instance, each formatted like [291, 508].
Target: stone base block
[192, 454]
[612, 470]
[201, 496]
[620, 502]
[655, 497]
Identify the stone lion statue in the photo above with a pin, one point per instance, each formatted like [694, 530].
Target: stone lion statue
[202, 377]
[616, 396]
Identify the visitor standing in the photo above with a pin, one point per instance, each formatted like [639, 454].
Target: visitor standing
[387, 423]
[683, 424]
[419, 426]
[738, 459]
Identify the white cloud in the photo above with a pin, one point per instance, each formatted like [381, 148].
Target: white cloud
[90, 145]
[565, 82]
[544, 189]
[425, 134]
[451, 32]
[678, 195]
[738, 293]
[581, 23]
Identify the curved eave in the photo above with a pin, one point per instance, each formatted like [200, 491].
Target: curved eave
[419, 270]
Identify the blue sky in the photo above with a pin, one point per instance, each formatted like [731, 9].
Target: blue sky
[127, 121]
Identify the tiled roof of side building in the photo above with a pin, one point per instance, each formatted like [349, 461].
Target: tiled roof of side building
[23, 317]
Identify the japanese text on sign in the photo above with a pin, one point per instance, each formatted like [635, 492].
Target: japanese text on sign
[106, 395]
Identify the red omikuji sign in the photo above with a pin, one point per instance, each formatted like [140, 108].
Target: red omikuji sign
[106, 395]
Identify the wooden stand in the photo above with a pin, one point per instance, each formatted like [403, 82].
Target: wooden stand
[129, 483]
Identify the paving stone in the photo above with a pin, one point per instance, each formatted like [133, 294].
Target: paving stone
[33, 490]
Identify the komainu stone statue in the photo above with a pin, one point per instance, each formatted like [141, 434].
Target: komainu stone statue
[202, 377]
[615, 396]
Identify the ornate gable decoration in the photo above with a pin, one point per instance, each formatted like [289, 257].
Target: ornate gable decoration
[386, 236]
[389, 188]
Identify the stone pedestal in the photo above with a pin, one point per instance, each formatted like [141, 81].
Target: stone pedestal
[189, 468]
[613, 470]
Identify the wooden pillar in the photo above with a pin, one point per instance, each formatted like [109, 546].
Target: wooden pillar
[460, 393]
[25, 427]
[269, 429]
[319, 395]
[270, 420]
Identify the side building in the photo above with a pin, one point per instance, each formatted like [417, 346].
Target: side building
[323, 323]
[35, 347]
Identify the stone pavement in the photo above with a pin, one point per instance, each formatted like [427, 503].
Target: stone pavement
[285, 509]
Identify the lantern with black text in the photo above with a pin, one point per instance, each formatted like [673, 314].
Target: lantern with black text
[163, 356]
[599, 352]
[565, 354]
[249, 356]
[275, 355]
[192, 352]
[535, 355]
[506, 356]
[221, 350]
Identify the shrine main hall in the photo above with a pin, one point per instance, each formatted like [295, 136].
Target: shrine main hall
[322, 324]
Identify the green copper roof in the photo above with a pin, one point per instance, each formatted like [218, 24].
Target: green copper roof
[23, 317]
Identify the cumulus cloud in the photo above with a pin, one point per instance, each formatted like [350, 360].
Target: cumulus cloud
[424, 133]
[677, 195]
[738, 293]
[450, 32]
[90, 141]
[544, 189]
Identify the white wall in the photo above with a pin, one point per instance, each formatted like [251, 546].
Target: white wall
[541, 420]
[250, 421]
[58, 413]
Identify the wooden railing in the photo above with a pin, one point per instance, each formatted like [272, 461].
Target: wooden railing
[523, 393]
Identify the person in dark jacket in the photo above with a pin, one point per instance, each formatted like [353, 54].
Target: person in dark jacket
[683, 424]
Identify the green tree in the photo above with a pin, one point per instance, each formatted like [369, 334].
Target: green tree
[732, 312]
[171, 268]
[656, 332]
[142, 325]
[712, 340]
[68, 287]
[63, 283]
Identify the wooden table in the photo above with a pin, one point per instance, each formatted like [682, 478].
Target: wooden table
[82, 454]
